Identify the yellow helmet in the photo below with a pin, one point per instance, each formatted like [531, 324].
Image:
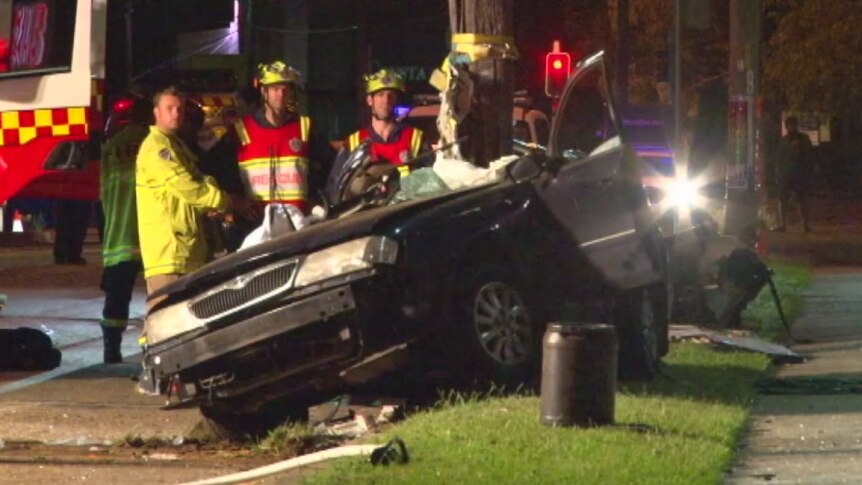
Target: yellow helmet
[383, 79]
[276, 72]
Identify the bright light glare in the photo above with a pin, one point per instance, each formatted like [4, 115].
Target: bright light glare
[557, 64]
[683, 194]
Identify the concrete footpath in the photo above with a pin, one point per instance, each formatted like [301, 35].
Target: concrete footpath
[813, 438]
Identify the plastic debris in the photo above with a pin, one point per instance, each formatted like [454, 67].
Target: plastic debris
[389, 414]
[735, 339]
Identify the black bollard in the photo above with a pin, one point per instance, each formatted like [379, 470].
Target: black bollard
[579, 374]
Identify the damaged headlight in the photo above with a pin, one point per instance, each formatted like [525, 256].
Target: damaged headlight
[170, 321]
[347, 257]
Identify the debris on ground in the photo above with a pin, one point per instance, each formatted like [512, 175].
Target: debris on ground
[735, 340]
[349, 429]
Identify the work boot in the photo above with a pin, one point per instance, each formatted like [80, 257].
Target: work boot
[112, 337]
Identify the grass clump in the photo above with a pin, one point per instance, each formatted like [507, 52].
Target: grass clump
[288, 439]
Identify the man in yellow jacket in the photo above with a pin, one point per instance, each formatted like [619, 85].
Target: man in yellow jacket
[173, 198]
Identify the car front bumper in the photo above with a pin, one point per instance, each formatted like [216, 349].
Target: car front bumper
[303, 343]
[171, 358]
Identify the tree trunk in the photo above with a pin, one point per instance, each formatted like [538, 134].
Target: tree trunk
[489, 124]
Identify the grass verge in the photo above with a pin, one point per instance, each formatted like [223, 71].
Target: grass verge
[680, 429]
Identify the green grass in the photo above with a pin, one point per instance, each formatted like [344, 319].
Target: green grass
[677, 430]
[761, 315]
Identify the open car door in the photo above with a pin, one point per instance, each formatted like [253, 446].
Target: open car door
[597, 193]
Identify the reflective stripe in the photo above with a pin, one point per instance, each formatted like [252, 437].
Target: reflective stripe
[304, 127]
[290, 174]
[281, 195]
[121, 254]
[353, 141]
[416, 142]
[242, 133]
[404, 170]
[256, 162]
[114, 323]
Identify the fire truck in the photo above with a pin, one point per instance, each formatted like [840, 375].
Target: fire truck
[54, 109]
[52, 71]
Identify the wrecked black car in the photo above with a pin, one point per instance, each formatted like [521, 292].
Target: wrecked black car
[473, 274]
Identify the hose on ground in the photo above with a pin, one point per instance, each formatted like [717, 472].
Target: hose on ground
[394, 451]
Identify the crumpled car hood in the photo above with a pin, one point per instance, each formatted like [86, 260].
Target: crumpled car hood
[309, 239]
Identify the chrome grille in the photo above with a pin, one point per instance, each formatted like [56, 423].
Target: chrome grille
[243, 289]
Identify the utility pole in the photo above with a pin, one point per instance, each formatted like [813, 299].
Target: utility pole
[489, 123]
[676, 82]
[622, 70]
[743, 81]
[245, 23]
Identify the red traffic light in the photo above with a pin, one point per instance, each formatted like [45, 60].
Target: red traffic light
[558, 65]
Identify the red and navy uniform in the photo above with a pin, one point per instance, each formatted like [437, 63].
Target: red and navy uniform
[274, 160]
[403, 144]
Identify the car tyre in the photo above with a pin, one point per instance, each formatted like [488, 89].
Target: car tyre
[493, 335]
[642, 329]
[227, 424]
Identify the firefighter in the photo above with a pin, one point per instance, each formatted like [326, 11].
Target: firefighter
[274, 148]
[391, 140]
[121, 254]
[173, 197]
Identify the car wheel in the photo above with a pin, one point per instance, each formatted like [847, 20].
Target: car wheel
[493, 335]
[227, 424]
[641, 330]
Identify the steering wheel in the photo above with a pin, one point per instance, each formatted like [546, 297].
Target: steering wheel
[371, 179]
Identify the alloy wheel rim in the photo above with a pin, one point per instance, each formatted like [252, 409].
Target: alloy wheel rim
[502, 324]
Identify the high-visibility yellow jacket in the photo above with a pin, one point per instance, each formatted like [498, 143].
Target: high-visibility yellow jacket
[173, 198]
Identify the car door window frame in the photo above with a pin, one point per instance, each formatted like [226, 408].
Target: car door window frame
[585, 68]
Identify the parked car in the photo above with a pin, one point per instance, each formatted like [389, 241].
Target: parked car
[472, 274]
